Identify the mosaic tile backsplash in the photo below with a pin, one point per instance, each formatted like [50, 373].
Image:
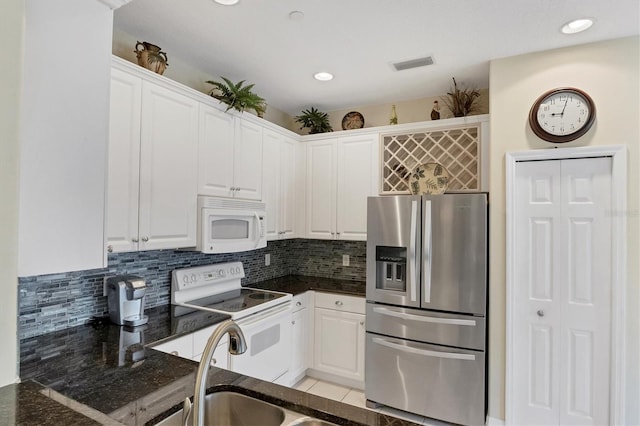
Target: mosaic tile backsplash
[55, 302]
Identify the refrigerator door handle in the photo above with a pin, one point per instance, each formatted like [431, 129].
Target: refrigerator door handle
[447, 321]
[426, 252]
[413, 270]
[423, 352]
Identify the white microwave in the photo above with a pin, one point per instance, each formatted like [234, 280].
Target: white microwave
[228, 225]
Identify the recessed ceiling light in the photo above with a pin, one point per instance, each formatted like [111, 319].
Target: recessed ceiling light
[296, 15]
[323, 76]
[577, 25]
[227, 2]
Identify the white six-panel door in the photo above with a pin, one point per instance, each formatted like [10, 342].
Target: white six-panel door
[562, 292]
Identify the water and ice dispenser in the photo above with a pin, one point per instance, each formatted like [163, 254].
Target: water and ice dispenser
[391, 268]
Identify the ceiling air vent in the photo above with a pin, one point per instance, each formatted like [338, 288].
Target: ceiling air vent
[413, 63]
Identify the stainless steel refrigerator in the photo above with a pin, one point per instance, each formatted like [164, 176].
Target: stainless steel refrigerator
[427, 269]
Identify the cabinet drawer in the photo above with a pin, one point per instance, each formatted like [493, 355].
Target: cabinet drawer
[182, 347]
[301, 301]
[340, 302]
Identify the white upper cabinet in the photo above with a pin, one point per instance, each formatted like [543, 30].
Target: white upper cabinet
[152, 167]
[168, 169]
[278, 184]
[247, 160]
[215, 152]
[321, 189]
[357, 180]
[124, 162]
[341, 174]
[229, 156]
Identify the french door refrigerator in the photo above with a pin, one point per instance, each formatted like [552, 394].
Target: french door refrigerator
[427, 269]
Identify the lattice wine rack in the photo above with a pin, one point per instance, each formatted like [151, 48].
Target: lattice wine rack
[456, 149]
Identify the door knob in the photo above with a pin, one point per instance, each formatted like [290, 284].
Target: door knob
[135, 240]
[145, 239]
[540, 313]
[110, 249]
[338, 303]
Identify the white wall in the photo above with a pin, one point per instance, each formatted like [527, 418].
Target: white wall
[64, 136]
[11, 32]
[610, 73]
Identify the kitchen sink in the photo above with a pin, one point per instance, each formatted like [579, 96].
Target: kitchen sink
[230, 408]
[310, 421]
[227, 408]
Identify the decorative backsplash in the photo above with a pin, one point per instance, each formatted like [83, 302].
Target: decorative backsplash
[55, 302]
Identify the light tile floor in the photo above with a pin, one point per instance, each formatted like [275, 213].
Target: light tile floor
[356, 397]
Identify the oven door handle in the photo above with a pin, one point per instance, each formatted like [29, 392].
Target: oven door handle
[424, 352]
[266, 314]
[411, 317]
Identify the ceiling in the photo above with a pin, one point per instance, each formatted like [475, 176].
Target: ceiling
[357, 40]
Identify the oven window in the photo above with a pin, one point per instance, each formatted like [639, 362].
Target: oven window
[229, 229]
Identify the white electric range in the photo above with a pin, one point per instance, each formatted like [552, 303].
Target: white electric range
[263, 316]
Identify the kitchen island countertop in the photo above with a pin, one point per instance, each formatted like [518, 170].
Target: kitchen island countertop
[83, 374]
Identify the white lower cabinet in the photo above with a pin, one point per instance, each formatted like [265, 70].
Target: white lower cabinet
[300, 336]
[339, 336]
[191, 346]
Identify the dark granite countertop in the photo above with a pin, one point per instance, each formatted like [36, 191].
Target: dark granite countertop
[296, 284]
[85, 375]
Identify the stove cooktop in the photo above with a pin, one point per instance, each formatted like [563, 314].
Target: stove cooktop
[236, 300]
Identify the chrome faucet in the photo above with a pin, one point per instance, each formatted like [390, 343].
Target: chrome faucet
[237, 346]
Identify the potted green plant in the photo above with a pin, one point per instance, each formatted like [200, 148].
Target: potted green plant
[238, 96]
[461, 102]
[316, 121]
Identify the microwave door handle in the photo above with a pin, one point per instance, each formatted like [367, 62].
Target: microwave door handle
[426, 252]
[413, 270]
[423, 352]
[257, 239]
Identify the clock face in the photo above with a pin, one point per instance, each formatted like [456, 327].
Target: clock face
[562, 115]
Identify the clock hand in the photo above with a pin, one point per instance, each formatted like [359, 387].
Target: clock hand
[564, 107]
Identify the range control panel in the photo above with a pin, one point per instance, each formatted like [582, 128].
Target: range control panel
[202, 275]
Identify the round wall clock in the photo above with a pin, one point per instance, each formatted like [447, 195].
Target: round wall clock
[562, 115]
[352, 120]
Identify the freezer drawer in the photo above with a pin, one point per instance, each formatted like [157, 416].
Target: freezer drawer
[429, 380]
[462, 331]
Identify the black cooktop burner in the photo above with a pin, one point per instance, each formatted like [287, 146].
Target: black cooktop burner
[236, 300]
[234, 306]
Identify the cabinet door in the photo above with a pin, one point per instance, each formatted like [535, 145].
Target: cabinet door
[321, 189]
[124, 162]
[339, 343]
[288, 173]
[168, 169]
[357, 180]
[299, 340]
[215, 152]
[247, 174]
[271, 185]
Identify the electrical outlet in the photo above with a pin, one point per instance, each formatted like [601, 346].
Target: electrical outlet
[345, 260]
[267, 259]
